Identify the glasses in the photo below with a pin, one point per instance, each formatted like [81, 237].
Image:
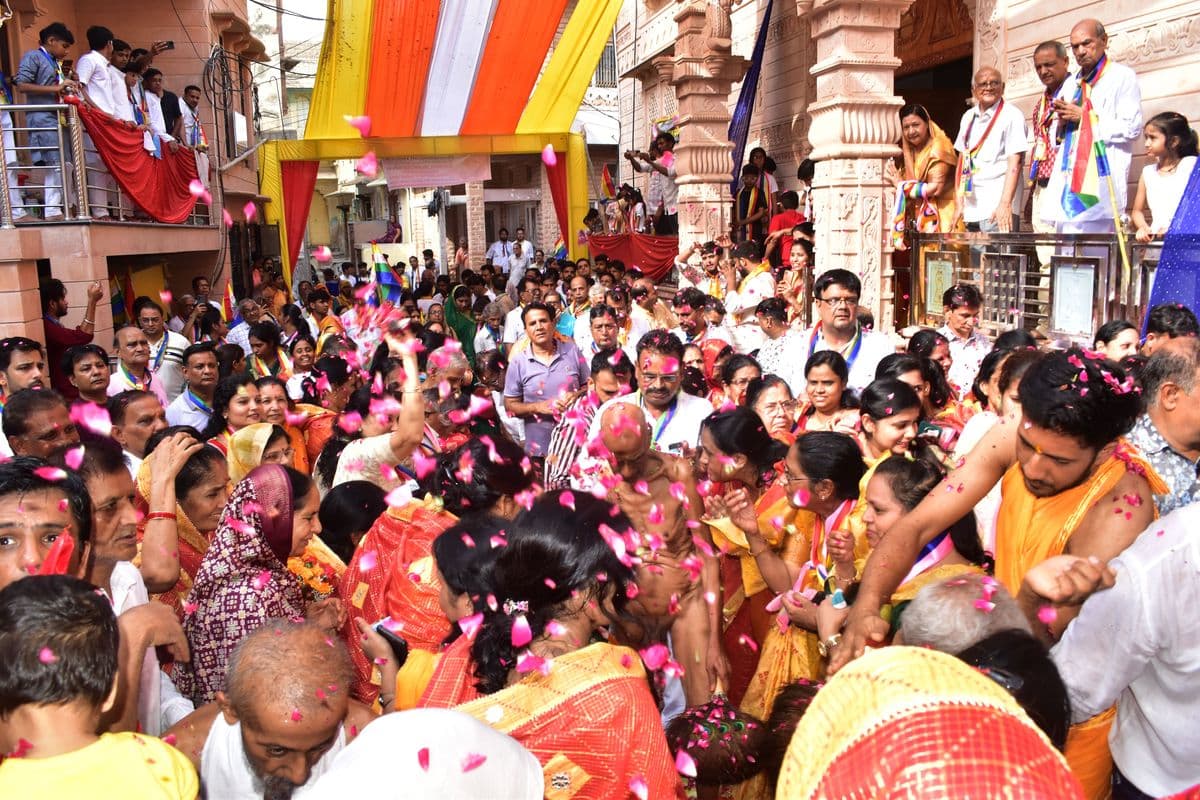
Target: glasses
[989, 85]
[279, 456]
[782, 407]
[839, 302]
[788, 479]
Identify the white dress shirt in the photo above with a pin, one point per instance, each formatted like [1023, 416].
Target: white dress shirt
[94, 73]
[1006, 138]
[499, 253]
[739, 307]
[1138, 644]
[875, 347]
[681, 428]
[1118, 103]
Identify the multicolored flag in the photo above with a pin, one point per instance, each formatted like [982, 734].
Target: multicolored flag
[228, 304]
[1090, 164]
[560, 248]
[390, 284]
[607, 187]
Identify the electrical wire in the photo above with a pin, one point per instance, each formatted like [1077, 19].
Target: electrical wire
[280, 9]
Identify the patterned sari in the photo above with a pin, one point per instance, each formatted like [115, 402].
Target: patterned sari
[399, 581]
[905, 722]
[243, 580]
[193, 544]
[591, 722]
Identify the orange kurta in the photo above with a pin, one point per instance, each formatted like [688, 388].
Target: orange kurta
[1030, 530]
[591, 722]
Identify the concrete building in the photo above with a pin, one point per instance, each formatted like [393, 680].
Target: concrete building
[834, 74]
[213, 48]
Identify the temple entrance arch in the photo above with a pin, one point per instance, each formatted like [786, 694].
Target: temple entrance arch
[934, 43]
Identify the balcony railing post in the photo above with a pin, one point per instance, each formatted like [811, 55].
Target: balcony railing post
[75, 130]
[6, 211]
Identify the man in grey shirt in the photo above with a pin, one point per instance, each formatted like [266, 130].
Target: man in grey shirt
[40, 77]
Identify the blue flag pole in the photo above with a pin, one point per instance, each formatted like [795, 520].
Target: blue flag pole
[1177, 279]
[739, 124]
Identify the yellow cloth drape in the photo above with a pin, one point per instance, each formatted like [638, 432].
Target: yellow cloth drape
[246, 448]
[340, 88]
[560, 89]
[938, 153]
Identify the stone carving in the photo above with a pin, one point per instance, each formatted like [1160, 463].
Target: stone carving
[990, 33]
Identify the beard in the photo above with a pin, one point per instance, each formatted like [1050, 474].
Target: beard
[274, 787]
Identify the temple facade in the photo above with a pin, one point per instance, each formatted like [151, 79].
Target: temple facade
[834, 74]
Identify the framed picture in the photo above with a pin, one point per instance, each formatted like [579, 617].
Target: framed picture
[1074, 293]
[940, 268]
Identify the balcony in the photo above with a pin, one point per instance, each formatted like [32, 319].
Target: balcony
[27, 183]
[1062, 287]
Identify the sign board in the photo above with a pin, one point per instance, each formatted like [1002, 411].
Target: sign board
[940, 267]
[1073, 282]
[429, 171]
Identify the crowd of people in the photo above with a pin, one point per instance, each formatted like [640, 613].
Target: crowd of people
[542, 531]
[117, 80]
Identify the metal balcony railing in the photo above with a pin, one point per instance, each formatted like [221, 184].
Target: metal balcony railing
[1062, 285]
[32, 188]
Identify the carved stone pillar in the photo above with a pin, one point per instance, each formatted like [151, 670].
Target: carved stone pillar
[704, 70]
[854, 131]
[991, 34]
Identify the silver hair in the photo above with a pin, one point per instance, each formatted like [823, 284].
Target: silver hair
[494, 307]
[1177, 364]
[955, 613]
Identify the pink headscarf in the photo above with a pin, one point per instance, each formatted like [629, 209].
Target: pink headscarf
[242, 582]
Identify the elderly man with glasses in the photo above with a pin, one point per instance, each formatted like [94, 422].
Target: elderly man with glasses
[991, 146]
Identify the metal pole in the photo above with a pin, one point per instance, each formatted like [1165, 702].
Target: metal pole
[6, 218]
[76, 132]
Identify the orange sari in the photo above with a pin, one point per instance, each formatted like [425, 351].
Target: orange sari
[1030, 530]
[400, 583]
[591, 722]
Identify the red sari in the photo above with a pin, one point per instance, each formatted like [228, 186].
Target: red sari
[401, 583]
[591, 722]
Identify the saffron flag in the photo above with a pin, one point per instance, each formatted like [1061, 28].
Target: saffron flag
[739, 124]
[607, 187]
[1087, 159]
[390, 284]
[228, 304]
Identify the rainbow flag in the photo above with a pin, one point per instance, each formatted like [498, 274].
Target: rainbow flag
[560, 248]
[390, 284]
[607, 187]
[1090, 164]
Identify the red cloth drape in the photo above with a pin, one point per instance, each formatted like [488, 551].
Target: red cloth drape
[298, 178]
[558, 190]
[653, 255]
[159, 185]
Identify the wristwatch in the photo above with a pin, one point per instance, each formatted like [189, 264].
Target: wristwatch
[826, 647]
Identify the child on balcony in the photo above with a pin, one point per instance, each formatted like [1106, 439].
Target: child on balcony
[40, 77]
[1171, 143]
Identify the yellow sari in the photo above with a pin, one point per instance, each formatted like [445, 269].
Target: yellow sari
[936, 160]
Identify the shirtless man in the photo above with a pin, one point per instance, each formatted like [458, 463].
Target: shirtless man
[678, 585]
[284, 716]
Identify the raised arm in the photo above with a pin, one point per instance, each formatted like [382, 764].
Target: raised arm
[896, 552]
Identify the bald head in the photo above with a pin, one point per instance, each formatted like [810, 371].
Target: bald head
[624, 431]
[1089, 40]
[1090, 27]
[987, 87]
[286, 667]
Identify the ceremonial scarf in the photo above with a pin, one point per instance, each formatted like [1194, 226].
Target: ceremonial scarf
[246, 448]
[967, 177]
[935, 213]
[590, 720]
[243, 580]
[261, 369]
[882, 728]
[1045, 152]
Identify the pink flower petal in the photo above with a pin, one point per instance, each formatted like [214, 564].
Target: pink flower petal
[46, 656]
[528, 662]
[1047, 614]
[637, 785]
[470, 625]
[549, 158]
[261, 580]
[196, 188]
[322, 254]
[165, 296]
[50, 473]
[93, 417]
[423, 758]
[363, 124]
[296, 715]
[655, 656]
[521, 634]
[473, 761]
[250, 211]
[368, 165]
[367, 561]
[567, 500]
[74, 457]
[423, 464]
[685, 764]
[226, 218]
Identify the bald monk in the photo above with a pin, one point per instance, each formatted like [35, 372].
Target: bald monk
[1070, 485]
[285, 714]
[658, 493]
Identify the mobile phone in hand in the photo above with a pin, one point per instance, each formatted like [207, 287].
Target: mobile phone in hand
[395, 640]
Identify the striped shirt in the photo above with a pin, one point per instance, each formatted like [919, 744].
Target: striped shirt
[567, 440]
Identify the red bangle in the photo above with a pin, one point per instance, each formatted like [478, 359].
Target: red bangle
[171, 515]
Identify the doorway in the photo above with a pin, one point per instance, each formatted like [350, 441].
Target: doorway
[944, 90]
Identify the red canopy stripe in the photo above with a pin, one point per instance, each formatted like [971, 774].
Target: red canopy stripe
[558, 190]
[298, 178]
[653, 255]
[521, 34]
[403, 33]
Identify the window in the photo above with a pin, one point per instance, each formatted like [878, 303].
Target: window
[606, 70]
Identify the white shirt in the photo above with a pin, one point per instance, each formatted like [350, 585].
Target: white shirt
[514, 328]
[118, 384]
[967, 355]
[719, 332]
[485, 340]
[670, 192]
[1006, 138]
[93, 71]
[875, 347]
[240, 335]
[773, 357]
[160, 705]
[987, 509]
[740, 305]
[182, 411]
[364, 460]
[170, 366]
[191, 119]
[225, 772]
[1118, 103]
[133, 463]
[1138, 644]
[679, 428]
[499, 253]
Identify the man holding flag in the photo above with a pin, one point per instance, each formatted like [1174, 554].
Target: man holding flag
[1099, 113]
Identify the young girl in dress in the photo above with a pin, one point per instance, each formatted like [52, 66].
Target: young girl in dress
[1171, 146]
